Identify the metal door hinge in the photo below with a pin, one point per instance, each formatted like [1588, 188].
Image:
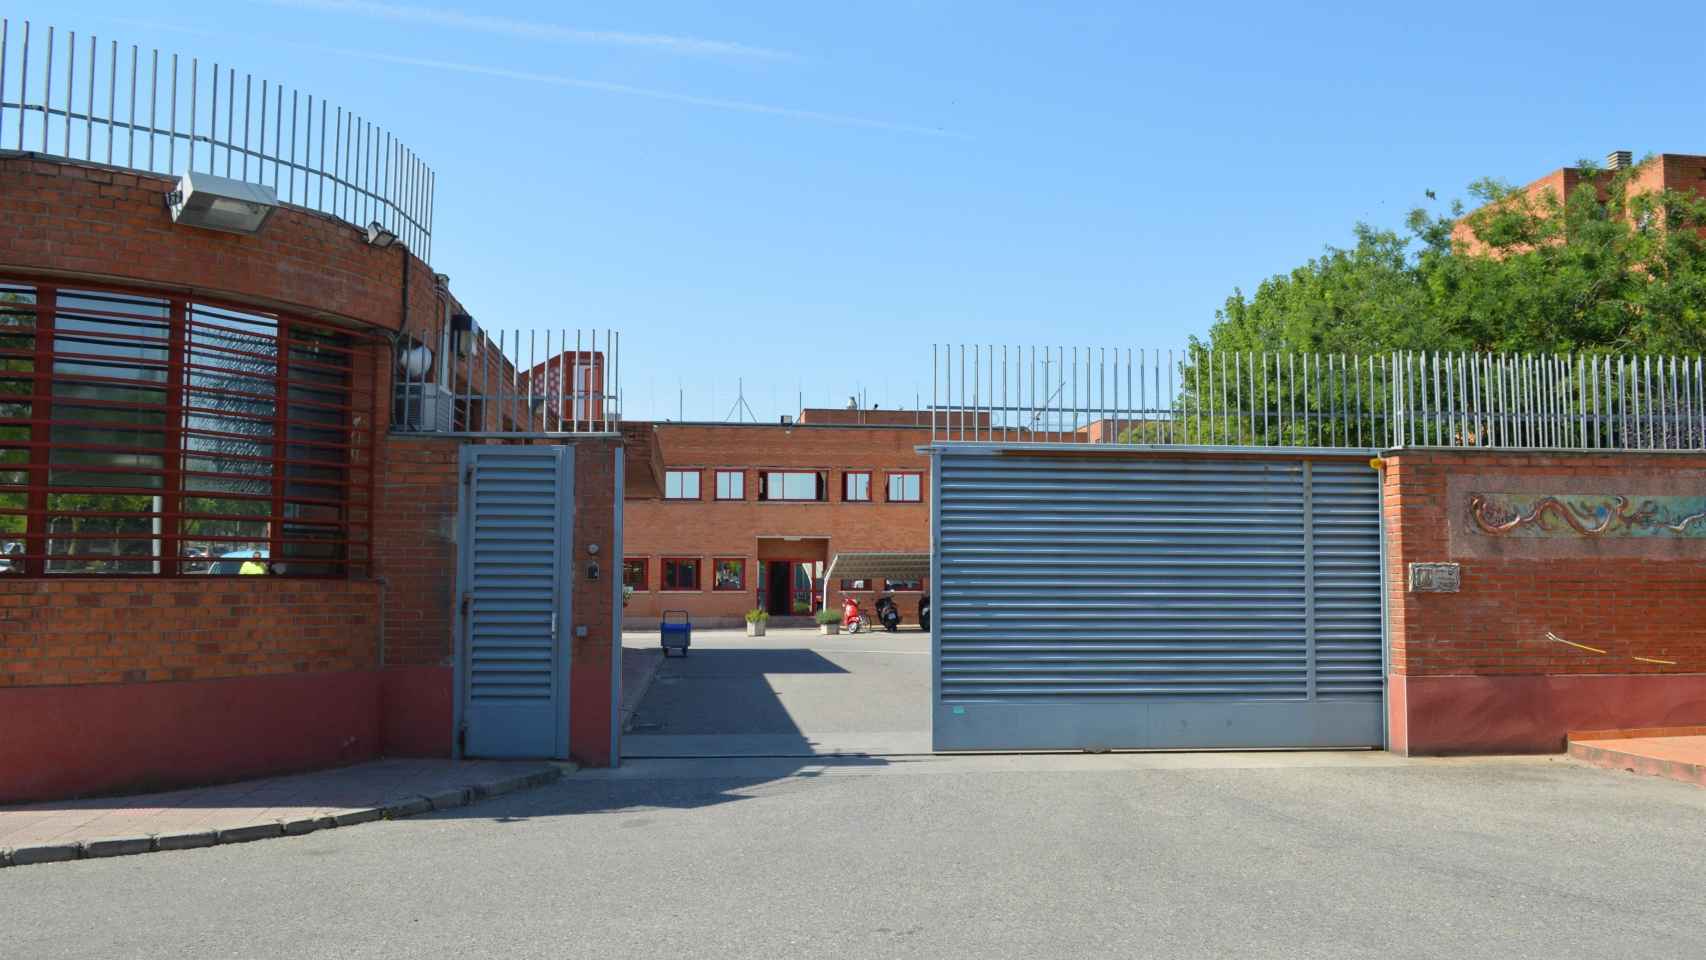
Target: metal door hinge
[467, 600]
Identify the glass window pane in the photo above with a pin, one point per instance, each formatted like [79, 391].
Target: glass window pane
[731, 485]
[904, 487]
[779, 485]
[103, 533]
[681, 574]
[857, 487]
[681, 484]
[730, 575]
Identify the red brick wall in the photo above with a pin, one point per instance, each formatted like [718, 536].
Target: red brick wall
[1475, 670]
[416, 557]
[594, 668]
[91, 631]
[708, 528]
[101, 223]
[415, 548]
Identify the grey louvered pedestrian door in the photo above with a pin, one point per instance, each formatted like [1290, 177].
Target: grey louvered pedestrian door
[1123, 601]
[517, 512]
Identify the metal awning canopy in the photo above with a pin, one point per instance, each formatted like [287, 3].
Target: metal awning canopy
[870, 566]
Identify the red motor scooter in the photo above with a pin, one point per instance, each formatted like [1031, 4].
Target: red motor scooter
[851, 617]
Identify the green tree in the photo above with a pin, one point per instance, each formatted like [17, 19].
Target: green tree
[1602, 270]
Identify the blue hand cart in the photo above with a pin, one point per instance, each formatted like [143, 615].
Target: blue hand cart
[675, 631]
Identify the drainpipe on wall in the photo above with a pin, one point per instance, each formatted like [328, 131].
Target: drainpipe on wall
[441, 291]
[384, 588]
[403, 324]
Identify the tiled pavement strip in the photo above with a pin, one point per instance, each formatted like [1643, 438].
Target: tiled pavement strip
[255, 809]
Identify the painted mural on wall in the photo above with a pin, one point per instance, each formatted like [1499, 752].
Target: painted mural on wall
[1572, 515]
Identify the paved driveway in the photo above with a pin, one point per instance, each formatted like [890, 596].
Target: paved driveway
[1172, 855]
[792, 693]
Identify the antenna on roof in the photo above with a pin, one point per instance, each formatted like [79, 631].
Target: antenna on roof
[741, 410]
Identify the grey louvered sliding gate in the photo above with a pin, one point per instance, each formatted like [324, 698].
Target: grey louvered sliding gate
[1130, 601]
[512, 676]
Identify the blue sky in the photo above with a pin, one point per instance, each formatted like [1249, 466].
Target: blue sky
[806, 195]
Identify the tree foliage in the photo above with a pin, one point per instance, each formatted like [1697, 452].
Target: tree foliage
[1605, 269]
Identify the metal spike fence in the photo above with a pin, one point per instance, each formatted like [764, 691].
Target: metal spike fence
[1197, 397]
[508, 383]
[98, 102]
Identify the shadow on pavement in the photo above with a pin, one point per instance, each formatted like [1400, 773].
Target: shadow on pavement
[714, 693]
[660, 785]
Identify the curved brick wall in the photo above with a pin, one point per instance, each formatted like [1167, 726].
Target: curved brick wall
[140, 683]
[63, 217]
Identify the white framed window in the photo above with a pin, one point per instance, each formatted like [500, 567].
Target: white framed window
[731, 485]
[681, 484]
[904, 487]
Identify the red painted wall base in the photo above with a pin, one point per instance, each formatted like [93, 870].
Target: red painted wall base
[415, 711]
[1532, 714]
[58, 742]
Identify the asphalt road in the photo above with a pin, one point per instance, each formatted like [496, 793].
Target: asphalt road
[1194, 855]
[792, 693]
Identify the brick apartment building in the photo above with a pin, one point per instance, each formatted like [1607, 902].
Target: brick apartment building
[1682, 172]
[750, 515]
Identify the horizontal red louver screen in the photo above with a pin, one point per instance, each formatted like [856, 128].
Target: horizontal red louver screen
[148, 435]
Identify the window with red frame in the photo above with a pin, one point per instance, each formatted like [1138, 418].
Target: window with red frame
[728, 574]
[793, 485]
[856, 486]
[681, 484]
[903, 586]
[634, 573]
[852, 586]
[680, 573]
[731, 485]
[905, 488]
[148, 435]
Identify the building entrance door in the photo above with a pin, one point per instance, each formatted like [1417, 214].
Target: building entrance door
[778, 584]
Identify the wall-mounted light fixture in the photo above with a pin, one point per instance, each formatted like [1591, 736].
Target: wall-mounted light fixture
[220, 203]
[462, 330]
[378, 236]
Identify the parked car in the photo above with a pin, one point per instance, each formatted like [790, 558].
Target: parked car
[239, 562]
[9, 550]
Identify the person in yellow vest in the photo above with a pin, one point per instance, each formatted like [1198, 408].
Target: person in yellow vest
[252, 565]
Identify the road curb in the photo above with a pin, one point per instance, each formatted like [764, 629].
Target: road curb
[390, 809]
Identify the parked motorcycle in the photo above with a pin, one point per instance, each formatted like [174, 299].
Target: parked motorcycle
[924, 612]
[888, 614]
[851, 618]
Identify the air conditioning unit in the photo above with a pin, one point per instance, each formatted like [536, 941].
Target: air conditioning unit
[424, 408]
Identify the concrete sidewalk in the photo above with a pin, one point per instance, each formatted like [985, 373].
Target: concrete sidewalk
[254, 809]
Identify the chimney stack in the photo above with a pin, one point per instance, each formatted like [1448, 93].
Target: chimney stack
[1619, 160]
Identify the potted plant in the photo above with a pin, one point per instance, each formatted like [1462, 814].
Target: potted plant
[627, 594]
[755, 621]
[828, 622]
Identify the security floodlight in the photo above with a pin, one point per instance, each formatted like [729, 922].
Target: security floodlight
[378, 236]
[220, 203]
[462, 331]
